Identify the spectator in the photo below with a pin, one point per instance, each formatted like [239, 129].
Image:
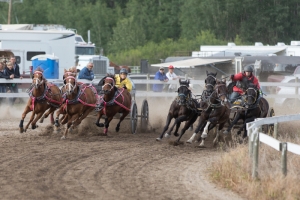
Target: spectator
[122, 80]
[172, 76]
[15, 67]
[160, 75]
[87, 72]
[2, 75]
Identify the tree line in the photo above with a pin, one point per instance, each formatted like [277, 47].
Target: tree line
[129, 30]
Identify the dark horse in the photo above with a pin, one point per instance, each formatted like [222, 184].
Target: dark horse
[113, 101]
[183, 108]
[214, 112]
[80, 100]
[255, 106]
[43, 96]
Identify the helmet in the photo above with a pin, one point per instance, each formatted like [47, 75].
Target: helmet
[248, 68]
[171, 67]
[123, 70]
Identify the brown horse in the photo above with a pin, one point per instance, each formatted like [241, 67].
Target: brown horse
[114, 101]
[118, 68]
[80, 100]
[43, 95]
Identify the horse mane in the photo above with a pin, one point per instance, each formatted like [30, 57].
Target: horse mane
[101, 82]
[71, 70]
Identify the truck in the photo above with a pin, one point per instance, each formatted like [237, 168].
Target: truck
[29, 40]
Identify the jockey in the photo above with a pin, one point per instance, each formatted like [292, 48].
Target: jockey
[122, 80]
[246, 75]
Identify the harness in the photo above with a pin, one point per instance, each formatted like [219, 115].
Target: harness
[45, 96]
[81, 91]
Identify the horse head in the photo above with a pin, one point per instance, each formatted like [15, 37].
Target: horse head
[109, 84]
[251, 94]
[210, 81]
[184, 92]
[70, 80]
[221, 91]
[38, 78]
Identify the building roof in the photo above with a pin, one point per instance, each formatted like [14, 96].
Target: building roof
[191, 63]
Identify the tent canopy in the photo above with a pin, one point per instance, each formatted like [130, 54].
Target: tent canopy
[191, 63]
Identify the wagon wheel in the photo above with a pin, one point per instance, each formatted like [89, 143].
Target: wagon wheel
[133, 117]
[144, 115]
[271, 113]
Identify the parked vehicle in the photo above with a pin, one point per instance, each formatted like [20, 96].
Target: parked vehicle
[286, 90]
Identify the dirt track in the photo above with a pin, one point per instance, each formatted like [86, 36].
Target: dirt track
[38, 165]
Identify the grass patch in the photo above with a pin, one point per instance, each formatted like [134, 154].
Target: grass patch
[233, 170]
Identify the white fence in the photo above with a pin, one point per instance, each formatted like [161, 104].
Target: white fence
[145, 80]
[255, 136]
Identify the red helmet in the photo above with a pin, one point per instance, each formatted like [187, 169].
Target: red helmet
[171, 67]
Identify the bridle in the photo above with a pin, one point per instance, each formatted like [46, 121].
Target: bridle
[36, 81]
[182, 98]
[70, 89]
[251, 96]
[209, 84]
[111, 85]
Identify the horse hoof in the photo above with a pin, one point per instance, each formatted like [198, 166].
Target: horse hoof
[56, 124]
[117, 129]
[189, 141]
[63, 138]
[190, 129]
[41, 120]
[100, 124]
[34, 127]
[176, 134]
[167, 135]
[225, 132]
[158, 139]
[21, 130]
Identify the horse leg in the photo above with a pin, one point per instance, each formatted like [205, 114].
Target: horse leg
[83, 116]
[176, 129]
[45, 115]
[200, 126]
[235, 120]
[27, 110]
[204, 134]
[98, 119]
[244, 126]
[107, 121]
[169, 118]
[31, 119]
[38, 116]
[121, 119]
[187, 125]
[69, 124]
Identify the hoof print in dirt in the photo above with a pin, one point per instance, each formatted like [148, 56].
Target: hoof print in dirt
[175, 143]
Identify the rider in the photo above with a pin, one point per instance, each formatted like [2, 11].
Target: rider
[248, 75]
[122, 80]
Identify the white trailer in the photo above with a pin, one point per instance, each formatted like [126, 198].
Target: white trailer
[26, 42]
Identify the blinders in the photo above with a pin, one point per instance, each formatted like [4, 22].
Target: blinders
[210, 82]
[70, 84]
[184, 94]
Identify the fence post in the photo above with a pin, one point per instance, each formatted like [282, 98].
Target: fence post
[296, 91]
[148, 86]
[186, 77]
[276, 130]
[255, 154]
[283, 149]
[250, 143]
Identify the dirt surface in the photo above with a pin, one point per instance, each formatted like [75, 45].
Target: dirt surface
[38, 165]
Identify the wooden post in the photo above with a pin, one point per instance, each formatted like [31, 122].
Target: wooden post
[276, 130]
[186, 77]
[148, 86]
[255, 155]
[283, 148]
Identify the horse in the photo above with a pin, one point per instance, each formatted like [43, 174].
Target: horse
[214, 112]
[43, 95]
[255, 106]
[80, 100]
[118, 68]
[183, 108]
[114, 100]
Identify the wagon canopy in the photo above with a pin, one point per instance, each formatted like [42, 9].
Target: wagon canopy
[191, 63]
